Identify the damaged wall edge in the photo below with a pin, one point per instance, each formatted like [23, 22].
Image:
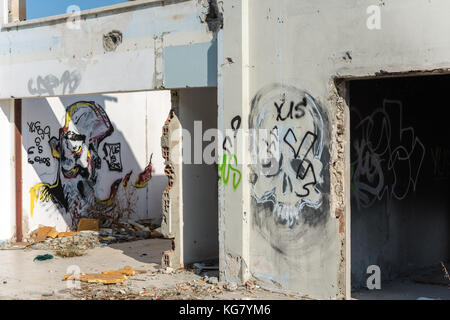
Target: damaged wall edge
[172, 198]
[339, 186]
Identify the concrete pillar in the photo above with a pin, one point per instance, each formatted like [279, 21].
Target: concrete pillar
[234, 196]
[17, 10]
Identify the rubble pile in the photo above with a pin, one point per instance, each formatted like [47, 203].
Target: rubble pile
[89, 235]
[82, 240]
[130, 230]
[198, 289]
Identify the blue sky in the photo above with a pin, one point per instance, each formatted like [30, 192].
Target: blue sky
[45, 8]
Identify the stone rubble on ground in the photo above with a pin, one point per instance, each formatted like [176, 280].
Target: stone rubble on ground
[47, 238]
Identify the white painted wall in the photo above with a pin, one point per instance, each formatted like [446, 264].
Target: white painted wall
[199, 181]
[137, 119]
[7, 215]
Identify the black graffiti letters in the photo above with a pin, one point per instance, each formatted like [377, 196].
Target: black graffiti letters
[41, 133]
[295, 111]
[236, 124]
[112, 156]
[299, 162]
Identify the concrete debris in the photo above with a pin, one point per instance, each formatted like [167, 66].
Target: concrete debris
[212, 280]
[82, 240]
[5, 245]
[89, 235]
[70, 251]
[200, 267]
[231, 286]
[168, 270]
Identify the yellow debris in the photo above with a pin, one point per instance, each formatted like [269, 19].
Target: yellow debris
[66, 234]
[105, 277]
[88, 225]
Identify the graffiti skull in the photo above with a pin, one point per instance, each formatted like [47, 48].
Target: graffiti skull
[286, 146]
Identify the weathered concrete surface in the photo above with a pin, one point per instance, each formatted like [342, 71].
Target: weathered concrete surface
[60, 56]
[21, 278]
[307, 45]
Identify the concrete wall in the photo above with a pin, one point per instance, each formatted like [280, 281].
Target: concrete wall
[400, 175]
[121, 133]
[67, 54]
[297, 48]
[7, 218]
[302, 47]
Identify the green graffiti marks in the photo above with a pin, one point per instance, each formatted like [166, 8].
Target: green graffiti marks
[226, 166]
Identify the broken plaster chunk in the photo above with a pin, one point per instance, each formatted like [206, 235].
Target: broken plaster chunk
[86, 224]
[213, 280]
[66, 234]
[103, 278]
[41, 233]
[127, 270]
[53, 234]
[231, 286]
[168, 270]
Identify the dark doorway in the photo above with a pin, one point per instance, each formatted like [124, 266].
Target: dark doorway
[400, 183]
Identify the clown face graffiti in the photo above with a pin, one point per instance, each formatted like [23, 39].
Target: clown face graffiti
[286, 146]
[86, 125]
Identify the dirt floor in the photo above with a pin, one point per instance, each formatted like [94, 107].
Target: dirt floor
[425, 284]
[23, 278]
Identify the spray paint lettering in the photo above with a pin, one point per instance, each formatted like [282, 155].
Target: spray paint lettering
[229, 163]
[441, 162]
[68, 83]
[112, 156]
[385, 155]
[35, 152]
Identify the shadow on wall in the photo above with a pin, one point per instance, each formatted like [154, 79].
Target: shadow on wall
[83, 165]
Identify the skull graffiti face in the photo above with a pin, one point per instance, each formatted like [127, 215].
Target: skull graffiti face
[286, 146]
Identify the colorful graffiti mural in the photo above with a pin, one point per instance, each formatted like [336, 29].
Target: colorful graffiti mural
[77, 151]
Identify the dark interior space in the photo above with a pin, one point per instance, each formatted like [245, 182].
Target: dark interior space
[400, 179]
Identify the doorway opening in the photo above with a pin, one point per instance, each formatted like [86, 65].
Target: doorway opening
[400, 185]
[190, 202]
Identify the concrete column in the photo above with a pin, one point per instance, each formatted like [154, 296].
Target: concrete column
[234, 194]
[17, 10]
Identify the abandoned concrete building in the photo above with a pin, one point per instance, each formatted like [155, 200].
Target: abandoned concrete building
[356, 171]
